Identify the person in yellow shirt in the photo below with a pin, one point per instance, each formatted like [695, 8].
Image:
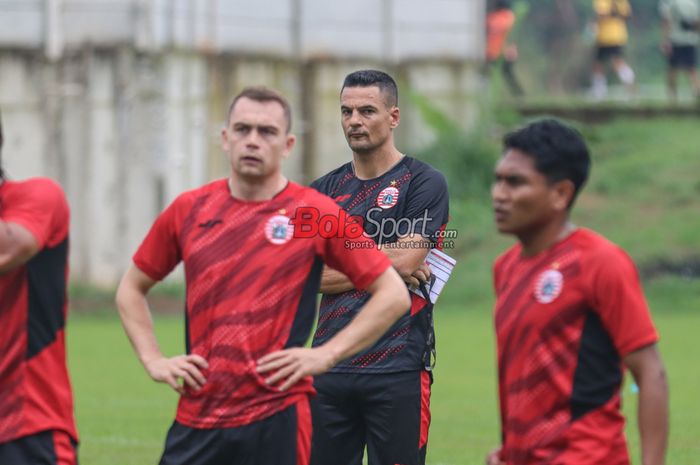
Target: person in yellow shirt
[611, 38]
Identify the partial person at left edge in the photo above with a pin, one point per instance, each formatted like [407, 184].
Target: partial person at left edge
[37, 425]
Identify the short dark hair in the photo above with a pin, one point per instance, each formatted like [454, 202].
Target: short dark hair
[373, 77]
[263, 94]
[558, 150]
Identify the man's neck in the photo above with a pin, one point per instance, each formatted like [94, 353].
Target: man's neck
[546, 237]
[374, 164]
[256, 189]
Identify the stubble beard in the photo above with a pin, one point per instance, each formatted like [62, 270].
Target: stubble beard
[363, 147]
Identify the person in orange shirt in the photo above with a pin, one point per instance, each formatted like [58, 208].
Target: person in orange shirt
[611, 38]
[499, 24]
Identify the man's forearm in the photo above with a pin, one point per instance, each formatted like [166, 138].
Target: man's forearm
[6, 244]
[405, 258]
[384, 307]
[17, 245]
[653, 417]
[334, 282]
[136, 319]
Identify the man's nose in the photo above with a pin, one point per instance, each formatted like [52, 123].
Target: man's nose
[498, 191]
[253, 138]
[354, 119]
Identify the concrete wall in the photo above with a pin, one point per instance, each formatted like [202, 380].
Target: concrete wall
[126, 112]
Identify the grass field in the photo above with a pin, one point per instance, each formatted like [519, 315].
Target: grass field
[123, 416]
[644, 194]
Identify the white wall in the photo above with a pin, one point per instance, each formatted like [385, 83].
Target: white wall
[125, 110]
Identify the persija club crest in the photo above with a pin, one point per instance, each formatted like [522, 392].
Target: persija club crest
[388, 197]
[278, 229]
[549, 286]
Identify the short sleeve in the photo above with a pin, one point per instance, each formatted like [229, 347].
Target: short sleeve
[665, 10]
[427, 200]
[619, 301]
[316, 185]
[160, 252]
[38, 205]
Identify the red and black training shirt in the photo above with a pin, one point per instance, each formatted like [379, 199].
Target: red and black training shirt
[564, 320]
[35, 390]
[251, 290]
[410, 198]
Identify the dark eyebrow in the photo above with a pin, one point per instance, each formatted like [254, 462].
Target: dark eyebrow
[268, 128]
[265, 127]
[364, 107]
[509, 178]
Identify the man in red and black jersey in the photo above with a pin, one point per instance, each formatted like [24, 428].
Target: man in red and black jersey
[251, 294]
[36, 403]
[570, 317]
[381, 397]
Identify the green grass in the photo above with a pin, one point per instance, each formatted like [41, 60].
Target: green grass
[123, 416]
[643, 194]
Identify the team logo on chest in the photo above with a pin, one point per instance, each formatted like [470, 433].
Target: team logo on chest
[548, 286]
[388, 197]
[278, 229]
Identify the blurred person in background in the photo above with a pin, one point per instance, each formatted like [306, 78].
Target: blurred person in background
[570, 317]
[37, 425]
[611, 38]
[499, 24]
[681, 36]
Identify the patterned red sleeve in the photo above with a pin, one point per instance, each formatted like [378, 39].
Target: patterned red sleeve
[358, 258]
[619, 300]
[39, 206]
[160, 251]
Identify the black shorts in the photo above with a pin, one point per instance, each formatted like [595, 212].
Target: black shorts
[282, 439]
[683, 57]
[388, 413]
[46, 448]
[604, 53]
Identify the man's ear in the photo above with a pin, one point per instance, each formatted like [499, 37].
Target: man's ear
[289, 145]
[563, 194]
[224, 139]
[395, 115]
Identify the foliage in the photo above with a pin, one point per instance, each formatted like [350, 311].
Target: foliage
[643, 194]
[466, 158]
[556, 44]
